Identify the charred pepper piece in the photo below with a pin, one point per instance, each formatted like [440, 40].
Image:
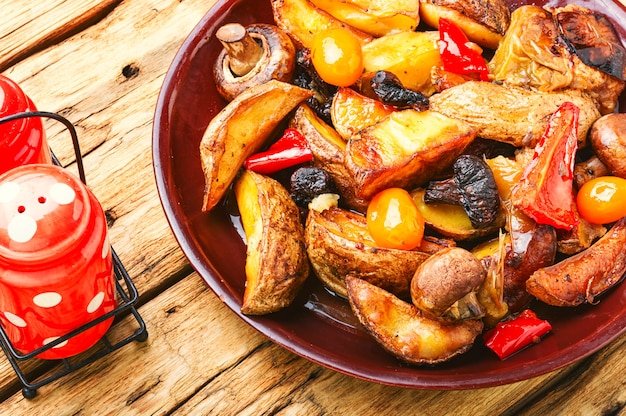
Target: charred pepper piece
[473, 187]
[388, 88]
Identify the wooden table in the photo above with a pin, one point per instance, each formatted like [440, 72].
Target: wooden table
[101, 63]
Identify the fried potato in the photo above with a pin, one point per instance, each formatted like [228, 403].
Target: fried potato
[581, 278]
[483, 22]
[375, 17]
[301, 19]
[240, 130]
[404, 150]
[328, 150]
[511, 114]
[339, 245]
[276, 259]
[401, 329]
[351, 112]
[410, 56]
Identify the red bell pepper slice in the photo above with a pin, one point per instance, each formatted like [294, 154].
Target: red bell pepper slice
[456, 54]
[511, 336]
[290, 150]
[545, 191]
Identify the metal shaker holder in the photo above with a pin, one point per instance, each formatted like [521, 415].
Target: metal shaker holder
[33, 377]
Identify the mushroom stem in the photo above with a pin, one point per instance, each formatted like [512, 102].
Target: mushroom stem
[244, 52]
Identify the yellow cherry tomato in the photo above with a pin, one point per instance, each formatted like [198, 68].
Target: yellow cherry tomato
[602, 200]
[337, 56]
[394, 221]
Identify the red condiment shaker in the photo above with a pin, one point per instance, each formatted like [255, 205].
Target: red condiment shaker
[56, 269]
[22, 141]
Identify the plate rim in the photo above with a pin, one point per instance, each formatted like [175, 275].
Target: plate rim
[201, 33]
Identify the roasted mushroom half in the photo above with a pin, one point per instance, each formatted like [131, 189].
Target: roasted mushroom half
[251, 56]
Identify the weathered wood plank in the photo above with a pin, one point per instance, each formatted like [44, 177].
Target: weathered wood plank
[35, 25]
[190, 342]
[598, 390]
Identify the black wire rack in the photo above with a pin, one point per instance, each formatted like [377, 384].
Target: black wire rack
[127, 298]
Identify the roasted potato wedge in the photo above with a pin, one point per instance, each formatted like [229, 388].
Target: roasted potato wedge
[452, 220]
[377, 18]
[404, 150]
[351, 112]
[410, 56]
[241, 129]
[328, 152]
[511, 114]
[583, 277]
[483, 22]
[301, 19]
[339, 245]
[402, 329]
[276, 259]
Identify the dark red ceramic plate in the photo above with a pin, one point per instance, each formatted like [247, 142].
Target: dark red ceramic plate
[318, 326]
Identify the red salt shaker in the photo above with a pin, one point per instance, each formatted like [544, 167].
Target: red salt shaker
[22, 141]
[56, 269]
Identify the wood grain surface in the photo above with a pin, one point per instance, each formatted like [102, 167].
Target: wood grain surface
[101, 64]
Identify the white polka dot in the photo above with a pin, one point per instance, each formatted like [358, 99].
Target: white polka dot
[96, 302]
[47, 299]
[62, 193]
[22, 228]
[8, 191]
[49, 340]
[15, 320]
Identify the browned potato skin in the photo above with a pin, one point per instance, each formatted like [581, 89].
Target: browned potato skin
[282, 268]
[240, 129]
[582, 277]
[404, 150]
[608, 140]
[404, 331]
[511, 114]
[339, 245]
[444, 278]
[328, 150]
